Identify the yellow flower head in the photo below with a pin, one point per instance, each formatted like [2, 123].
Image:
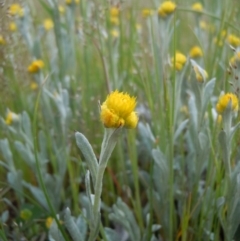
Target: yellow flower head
[49, 222]
[180, 60]
[197, 7]
[61, 9]
[224, 100]
[233, 40]
[196, 52]
[147, 12]
[2, 40]
[16, 10]
[118, 111]
[114, 20]
[35, 66]
[201, 75]
[25, 214]
[115, 33]
[11, 117]
[48, 24]
[33, 85]
[166, 8]
[114, 12]
[12, 26]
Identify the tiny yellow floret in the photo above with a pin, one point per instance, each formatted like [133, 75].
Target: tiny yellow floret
[118, 111]
[16, 10]
[166, 8]
[224, 100]
[197, 7]
[35, 66]
[180, 60]
[48, 24]
[196, 52]
[49, 222]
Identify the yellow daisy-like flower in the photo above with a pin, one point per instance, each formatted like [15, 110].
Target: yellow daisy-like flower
[180, 60]
[197, 7]
[2, 40]
[147, 12]
[26, 214]
[35, 66]
[196, 52]
[48, 24]
[49, 222]
[118, 111]
[224, 100]
[233, 40]
[12, 26]
[16, 10]
[166, 8]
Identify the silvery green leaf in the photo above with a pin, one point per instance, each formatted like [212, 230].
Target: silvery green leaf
[89, 194]
[38, 194]
[7, 154]
[42, 145]
[87, 151]
[222, 137]
[111, 234]
[234, 129]
[207, 93]
[4, 216]
[25, 153]
[124, 216]
[180, 128]
[54, 233]
[15, 180]
[27, 128]
[153, 238]
[193, 111]
[155, 227]
[71, 226]
[82, 224]
[203, 140]
[220, 202]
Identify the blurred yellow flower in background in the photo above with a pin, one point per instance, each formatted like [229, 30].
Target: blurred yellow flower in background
[224, 100]
[11, 117]
[68, 2]
[33, 85]
[147, 12]
[233, 40]
[49, 222]
[12, 26]
[115, 33]
[48, 24]
[2, 40]
[118, 111]
[196, 52]
[166, 8]
[35, 66]
[180, 60]
[197, 7]
[16, 10]
[200, 75]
